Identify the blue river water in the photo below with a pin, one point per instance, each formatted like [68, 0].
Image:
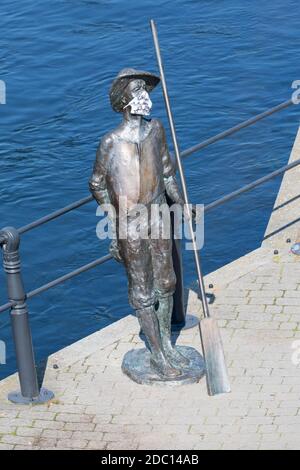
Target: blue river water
[225, 61]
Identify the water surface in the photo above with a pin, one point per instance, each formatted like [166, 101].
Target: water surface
[225, 61]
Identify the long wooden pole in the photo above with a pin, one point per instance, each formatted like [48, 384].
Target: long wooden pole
[216, 371]
[180, 169]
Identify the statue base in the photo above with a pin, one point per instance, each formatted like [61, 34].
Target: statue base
[136, 365]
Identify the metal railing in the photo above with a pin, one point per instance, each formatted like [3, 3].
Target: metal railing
[10, 239]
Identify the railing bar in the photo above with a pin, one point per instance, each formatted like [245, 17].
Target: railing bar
[183, 154]
[236, 128]
[207, 208]
[54, 215]
[6, 306]
[68, 276]
[60, 280]
[250, 186]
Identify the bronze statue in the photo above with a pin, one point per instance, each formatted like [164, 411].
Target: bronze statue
[133, 161]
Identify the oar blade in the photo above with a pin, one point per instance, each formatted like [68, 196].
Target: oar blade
[216, 370]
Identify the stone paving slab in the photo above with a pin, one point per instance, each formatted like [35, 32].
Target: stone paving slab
[257, 305]
[96, 406]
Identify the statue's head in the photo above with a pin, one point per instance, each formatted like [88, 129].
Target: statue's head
[131, 89]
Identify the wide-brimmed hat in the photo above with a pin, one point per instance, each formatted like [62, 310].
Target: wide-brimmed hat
[121, 81]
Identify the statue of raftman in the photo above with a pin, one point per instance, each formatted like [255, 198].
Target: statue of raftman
[133, 161]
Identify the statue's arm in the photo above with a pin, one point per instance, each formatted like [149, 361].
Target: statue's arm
[172, 188]
[98, 188]
[169, 172]
[97, 182]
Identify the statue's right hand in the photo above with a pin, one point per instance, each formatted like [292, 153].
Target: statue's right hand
[115, 251]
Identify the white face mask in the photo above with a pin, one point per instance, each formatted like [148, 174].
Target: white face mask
[140, 104]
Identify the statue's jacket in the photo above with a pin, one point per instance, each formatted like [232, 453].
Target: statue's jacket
[135, 171]
[142, 173]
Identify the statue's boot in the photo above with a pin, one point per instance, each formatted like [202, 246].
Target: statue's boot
[158, 360]
[164, 315]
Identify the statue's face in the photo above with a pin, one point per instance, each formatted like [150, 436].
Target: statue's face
[137, 98]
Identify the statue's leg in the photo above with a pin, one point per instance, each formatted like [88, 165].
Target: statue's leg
[165, 282]
[149, 325]
[164, 315]
[136, 254]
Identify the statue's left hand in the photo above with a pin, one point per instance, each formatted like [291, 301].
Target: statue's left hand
[194, 214]
[115, 252]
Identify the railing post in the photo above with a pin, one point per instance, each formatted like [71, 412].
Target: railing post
[30, 392]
